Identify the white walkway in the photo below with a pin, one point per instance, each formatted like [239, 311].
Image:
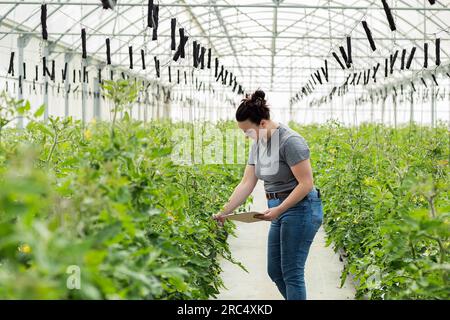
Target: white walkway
[323, 267]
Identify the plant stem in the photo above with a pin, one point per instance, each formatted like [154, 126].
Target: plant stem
[55, 142]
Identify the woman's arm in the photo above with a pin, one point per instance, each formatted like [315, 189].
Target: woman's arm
[240, 193]
[303, 173]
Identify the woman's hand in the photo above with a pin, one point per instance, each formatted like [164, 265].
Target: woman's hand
[270, 214]
[220, 218]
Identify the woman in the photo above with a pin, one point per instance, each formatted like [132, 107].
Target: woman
[295, 206]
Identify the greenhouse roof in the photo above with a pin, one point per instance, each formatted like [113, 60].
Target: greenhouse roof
[275, 44]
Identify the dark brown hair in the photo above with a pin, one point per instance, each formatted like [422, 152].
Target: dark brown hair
[253, 108]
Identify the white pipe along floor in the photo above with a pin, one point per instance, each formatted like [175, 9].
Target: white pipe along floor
[323, 267]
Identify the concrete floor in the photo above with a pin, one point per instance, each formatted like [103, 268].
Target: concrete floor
[323, 267]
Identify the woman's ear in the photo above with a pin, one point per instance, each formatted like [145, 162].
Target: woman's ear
[263, 123]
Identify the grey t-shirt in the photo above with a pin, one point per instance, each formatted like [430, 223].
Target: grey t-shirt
[274, 167]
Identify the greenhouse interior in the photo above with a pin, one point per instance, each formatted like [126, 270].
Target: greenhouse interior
[134, 137]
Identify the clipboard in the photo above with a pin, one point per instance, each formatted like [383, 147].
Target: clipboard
[247, 217]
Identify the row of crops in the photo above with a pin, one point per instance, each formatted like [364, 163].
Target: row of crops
[387, 203]
[106, 203]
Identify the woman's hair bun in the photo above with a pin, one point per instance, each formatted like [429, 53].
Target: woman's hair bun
[258, 94]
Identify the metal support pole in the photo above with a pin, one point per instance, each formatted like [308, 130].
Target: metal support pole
[46, 54]
[433, 105]
[22, 42]
[83, 93]
[67, 58]
[394, 101]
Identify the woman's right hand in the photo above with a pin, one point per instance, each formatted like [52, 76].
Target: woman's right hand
[220, 218]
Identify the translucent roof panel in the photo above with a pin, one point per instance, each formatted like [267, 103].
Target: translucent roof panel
[270, 44]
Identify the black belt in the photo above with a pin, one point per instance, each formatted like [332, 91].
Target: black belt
[283, 194]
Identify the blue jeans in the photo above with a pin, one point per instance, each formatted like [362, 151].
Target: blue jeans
[290, 237]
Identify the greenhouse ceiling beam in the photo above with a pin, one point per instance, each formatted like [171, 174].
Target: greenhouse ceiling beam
[259, 6]
[274, 40]
[102, 34]
[224, 26]
[188, 9]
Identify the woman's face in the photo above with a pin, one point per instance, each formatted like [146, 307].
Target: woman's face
[251, 129]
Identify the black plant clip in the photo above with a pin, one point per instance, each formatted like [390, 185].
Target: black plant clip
[44, 21]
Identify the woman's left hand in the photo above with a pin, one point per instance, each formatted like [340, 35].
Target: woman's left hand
[270, 214]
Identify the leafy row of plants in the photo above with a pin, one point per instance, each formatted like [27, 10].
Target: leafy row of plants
[387, 205]
[100, 210]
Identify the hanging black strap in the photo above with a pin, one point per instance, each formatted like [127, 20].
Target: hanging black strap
[44, 21]
[130, 54]
[170, 74]
[318, 77]
[173, 25]
[425, 49]
[349, 51]
[52, 75]
[392, 60]
[209, 58]
[11, 64]
[369, 35]
[157, 67]
[85, 75]
[99, 75]
[180, 51]
[150, 14]
[438, 51]
[325, 70]
[24, 71]
[155, 22]
[64, 72]
[375, 70]
[83, 43]
[338, 60]
[143, 59]
[389, 16]
[202, 58]
[178, 76]
[216, 72]
[108, 51]
[434, 79]
[410, 59]
[402, 66]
